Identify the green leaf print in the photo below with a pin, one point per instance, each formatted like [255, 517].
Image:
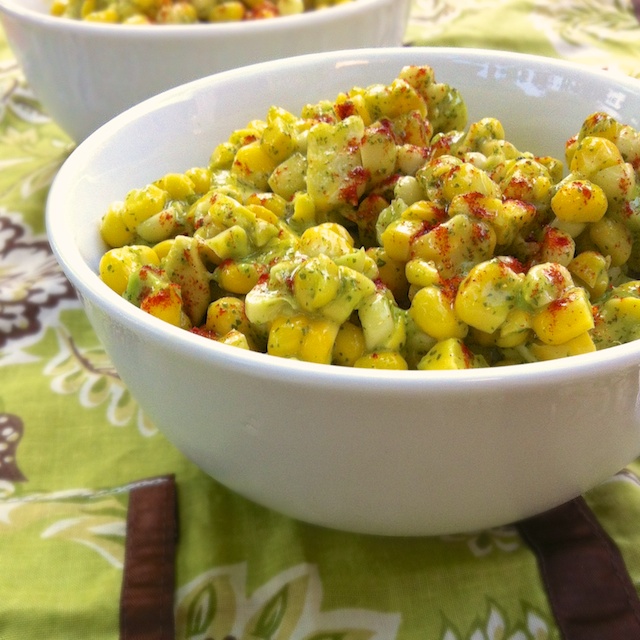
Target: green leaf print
[97, 524]
[201, 611]
[272, 615]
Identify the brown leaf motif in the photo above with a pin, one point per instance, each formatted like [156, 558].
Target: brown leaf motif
[31, 283]
[11, 429]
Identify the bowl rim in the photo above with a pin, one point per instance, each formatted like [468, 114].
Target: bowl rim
[88, 283]
[316, 19]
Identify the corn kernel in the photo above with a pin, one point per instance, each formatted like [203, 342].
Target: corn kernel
[328, 238]
[432, 311]
[162, 248]
[316, 282]
[382, 360]
[235, 339]
[237, 277]
[447, 354]
[141, 204]
[117, 265]
[613, 239]
[422, 273]
[165, 304]
[319, 341]
[487, 295]
[565, 318]
[579, 201]
[227, 12]
[270, 201]
[113, 229]
[253, 164]
[593, 154]
[591, 268]
[349, 345]
[226, 314]
[177, 185]
[398, 237]
[582, 343]
[304, 210]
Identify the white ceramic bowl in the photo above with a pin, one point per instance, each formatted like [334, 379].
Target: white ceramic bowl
[385, 452]
[86, 73]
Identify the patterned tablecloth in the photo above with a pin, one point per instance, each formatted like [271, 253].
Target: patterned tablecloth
[91, 543]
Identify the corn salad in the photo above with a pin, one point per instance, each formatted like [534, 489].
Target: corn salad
[381, 230]
[137, 12]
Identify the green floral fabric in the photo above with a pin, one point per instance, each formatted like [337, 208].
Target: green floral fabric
[73, 440]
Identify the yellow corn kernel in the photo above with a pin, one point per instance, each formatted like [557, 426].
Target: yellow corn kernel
[627, 307]
[59, 7]
[613, 239]
[378, 153]
[286, 336]
[432, 311]
[263, 213]
[600, 124]
[303, 338]
[227, 314]
[136, 19]
[528, 180]
[447, 354]
[113, 229]
[455, 244]
[162, 248]
[290, 7]
[580, 344]
[222, 156]
[592, 268]
[579, 201]
[253, 164]
[177, 185]
[398, 237]
[108, 15]
[238, 277]
[227, 12]
[391, 273]
[304, 210]
[422, 273]
[117, 265]
[87, 7]
[426, 211]
[141, 204]
[319, 341]
[178, 12]
[327, 238]
[487, 295]
[277, 139]
[232, 243]
[391, 101]
[515, 330]
[466, 178]
[274, 203]
[592, 155]
[316, 282]
[235, 339]
[545, 283]
[349, 345]
[165, 304]
[557, 246]
[200, 178]
[382, 360]
[565, 318]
